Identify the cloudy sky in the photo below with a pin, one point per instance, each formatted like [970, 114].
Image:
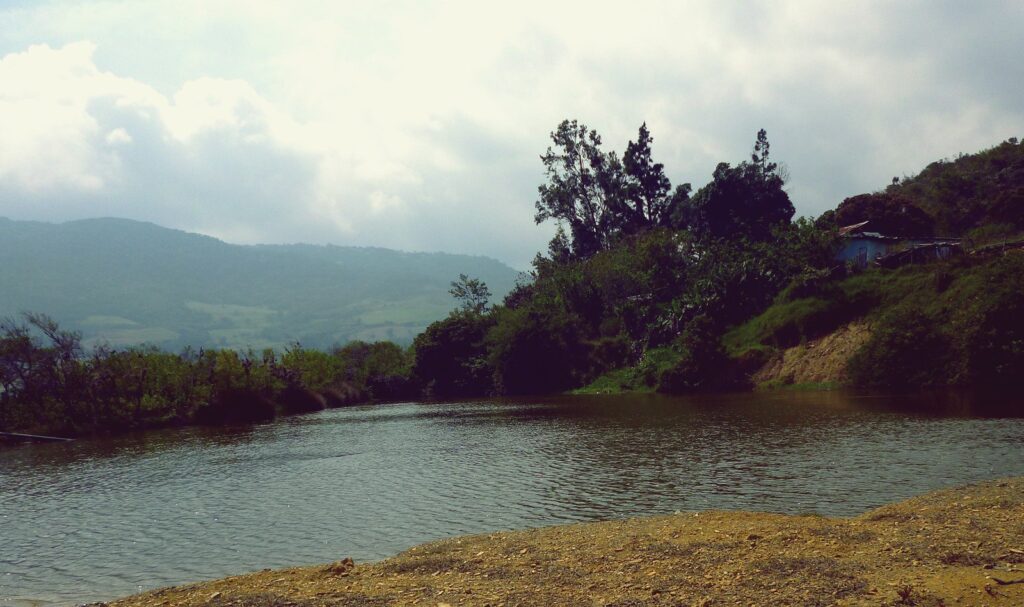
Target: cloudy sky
[418, 125]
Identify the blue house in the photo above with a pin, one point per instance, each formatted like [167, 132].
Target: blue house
[861, 247]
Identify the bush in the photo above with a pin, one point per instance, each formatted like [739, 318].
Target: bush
[450, 356]
[342, 394]
[236, 406]
[392, 387]
[811, 282]
[905, 350]
[300, 399]
[989, 328]
[702, 364]
[534, 352]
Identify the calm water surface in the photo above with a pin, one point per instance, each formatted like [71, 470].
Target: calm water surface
[97, 519]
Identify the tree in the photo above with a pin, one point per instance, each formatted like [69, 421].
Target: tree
[583, 184]
[535, 351]
[472, 292]
[599, 197]
[890, 214]
[450, 356]
[648, 197]
[745, 201]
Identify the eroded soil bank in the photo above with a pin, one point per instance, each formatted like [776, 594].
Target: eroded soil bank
[819, 361]
[961, 546]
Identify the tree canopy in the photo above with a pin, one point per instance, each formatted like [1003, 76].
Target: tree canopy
[890, 214]
[472, 293]
[598, 196]
[745, 201]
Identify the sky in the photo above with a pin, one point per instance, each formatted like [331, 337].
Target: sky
[419, 125]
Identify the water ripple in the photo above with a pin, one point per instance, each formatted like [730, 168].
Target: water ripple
[92, 520]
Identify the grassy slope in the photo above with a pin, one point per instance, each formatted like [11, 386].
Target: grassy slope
[972, 190]
[952, 298]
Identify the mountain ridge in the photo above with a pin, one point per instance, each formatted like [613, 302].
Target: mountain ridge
[128, 282]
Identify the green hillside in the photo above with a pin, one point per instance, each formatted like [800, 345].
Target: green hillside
[128, 282]
[971, 191]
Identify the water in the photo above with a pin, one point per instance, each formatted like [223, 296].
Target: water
[97, 519]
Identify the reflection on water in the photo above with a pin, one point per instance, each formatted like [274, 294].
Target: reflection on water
[96, 519]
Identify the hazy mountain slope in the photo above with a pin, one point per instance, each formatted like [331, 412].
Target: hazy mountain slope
[132, 282]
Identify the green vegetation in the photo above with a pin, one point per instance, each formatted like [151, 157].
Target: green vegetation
[971, 191]
[639, 282]
[648, 288]
[954, 323]
[947, 198]
[642, 288]
[50, 385]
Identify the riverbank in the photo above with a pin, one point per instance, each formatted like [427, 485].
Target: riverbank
[961, 546]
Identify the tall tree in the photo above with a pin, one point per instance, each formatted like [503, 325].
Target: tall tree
[472, 292]
[583, 184]
[597, 195]
[647, 189]
[745, 201]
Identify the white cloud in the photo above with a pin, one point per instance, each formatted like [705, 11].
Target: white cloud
[418, 125]
[118, 136]
[381, 202]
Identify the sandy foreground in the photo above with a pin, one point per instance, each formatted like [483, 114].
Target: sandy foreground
[961, 546]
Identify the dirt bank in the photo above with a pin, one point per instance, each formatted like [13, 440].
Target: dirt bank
[819, 361]
[956, 547]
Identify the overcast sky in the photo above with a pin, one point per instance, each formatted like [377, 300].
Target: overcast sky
[418, 125]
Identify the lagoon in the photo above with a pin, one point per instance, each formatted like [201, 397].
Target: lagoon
[101, 518]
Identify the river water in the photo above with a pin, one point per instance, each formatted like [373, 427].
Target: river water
[97, 519]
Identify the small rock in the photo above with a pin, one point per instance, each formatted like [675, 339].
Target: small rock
[341, 567]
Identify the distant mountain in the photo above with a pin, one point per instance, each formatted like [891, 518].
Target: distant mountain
[128, 282]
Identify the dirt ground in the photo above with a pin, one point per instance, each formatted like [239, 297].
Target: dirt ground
[956, 547]
[819, 361]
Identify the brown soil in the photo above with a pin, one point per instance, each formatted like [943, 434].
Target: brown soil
[822, 360]
[955, 547]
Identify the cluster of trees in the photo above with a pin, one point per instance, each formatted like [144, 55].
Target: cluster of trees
[974, 195]
[642, 281]
[970, 191]
[49, 384]
[638, 275]
[603, 200]
[955, 324]
[887, 213]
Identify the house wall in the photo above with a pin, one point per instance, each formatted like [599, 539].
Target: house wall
[862, 251]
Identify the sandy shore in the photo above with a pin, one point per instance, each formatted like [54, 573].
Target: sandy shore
[961, 546]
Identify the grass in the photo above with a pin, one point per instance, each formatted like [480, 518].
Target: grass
[867, 294]
[822, 386]
[239, 315]
[640, 378]
[419, 311]
[618, 381]
[786, 324]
